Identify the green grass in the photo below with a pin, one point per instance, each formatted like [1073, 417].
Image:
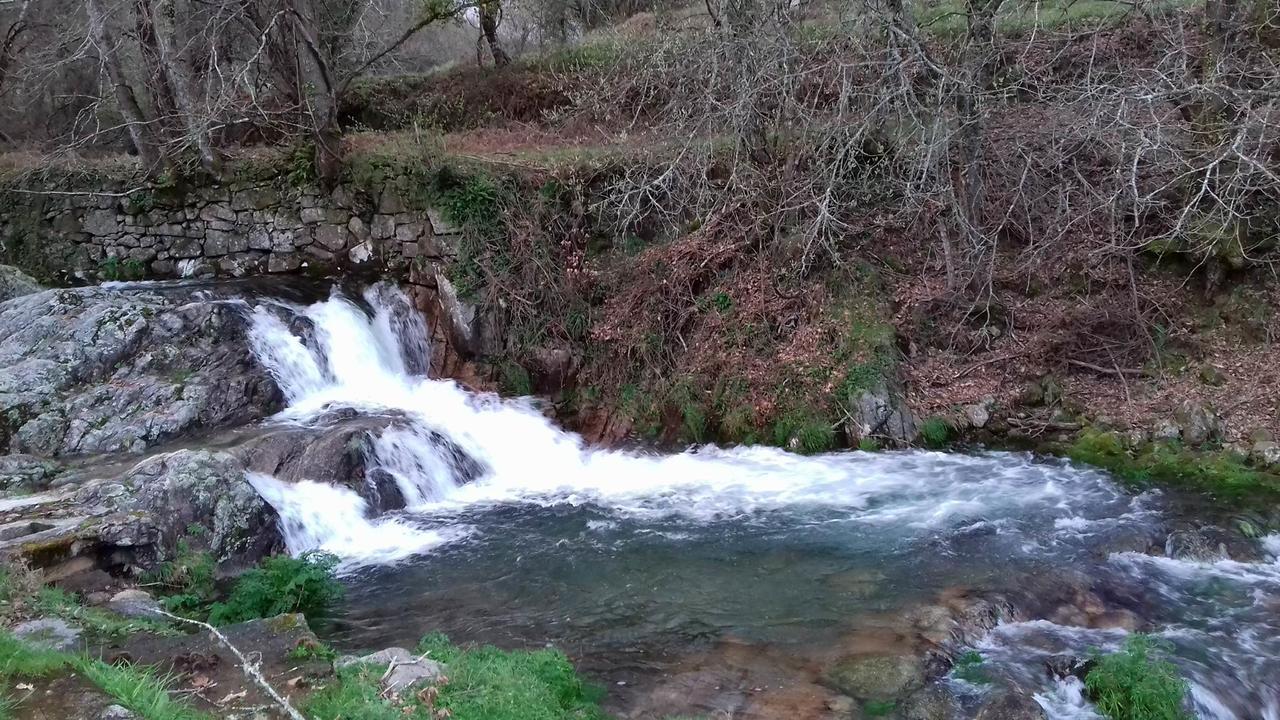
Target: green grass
[935, 432]
[139, 689]
[948, 19]
[1221, 475]
[22, 595]
[282, 584]
[811, 433]
[1136, 684]
[484, 683]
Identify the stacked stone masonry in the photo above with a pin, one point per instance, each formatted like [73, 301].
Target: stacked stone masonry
[220, 231]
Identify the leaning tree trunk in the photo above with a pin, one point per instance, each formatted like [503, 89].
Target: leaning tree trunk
[490, 16]
[135, 120]
[320, 93]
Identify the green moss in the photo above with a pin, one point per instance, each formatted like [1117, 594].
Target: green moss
[1136, 684]
[1224, 476]
[970, 668]
[879, 708]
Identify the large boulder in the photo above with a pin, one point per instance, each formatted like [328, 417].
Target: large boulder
[15, 283]
[92, 370]
[877, 678]
[880, 412]
[198, 495]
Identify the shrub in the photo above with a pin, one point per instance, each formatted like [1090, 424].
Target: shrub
[282, 585]
[1133, 684]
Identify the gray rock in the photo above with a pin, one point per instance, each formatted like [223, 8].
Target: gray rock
[52, 633]
[1166, 431]
[979, 414]
[1011, 705]
[1265, 453]
[1199, 423]
[156, 504]
[361, 253]
[332, 237]
[880, 412]
[15, 283]
[116, 712]
[26, 473]
[95, 370]
[133, 603]
[404, 669]
[878, 678]
[441, 225]
[935, 702]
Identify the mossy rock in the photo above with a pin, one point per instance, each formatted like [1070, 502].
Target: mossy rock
[877, 678]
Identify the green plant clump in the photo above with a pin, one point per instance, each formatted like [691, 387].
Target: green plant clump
[969, 667]
[282, 584]
[935, 432]
[1134, 684]
[808, 433]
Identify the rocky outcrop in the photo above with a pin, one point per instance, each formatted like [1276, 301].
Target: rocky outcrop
[198, 495]
[880, 412]
[15, 283]
[93, 370]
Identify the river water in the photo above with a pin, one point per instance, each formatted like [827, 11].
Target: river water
[726, 581]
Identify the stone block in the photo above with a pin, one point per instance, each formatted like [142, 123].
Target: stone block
[278, 262]
[383, 227]
[186, 248]
[100, 222]
[333, 237]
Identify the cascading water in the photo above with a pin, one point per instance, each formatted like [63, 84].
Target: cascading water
[604, 547]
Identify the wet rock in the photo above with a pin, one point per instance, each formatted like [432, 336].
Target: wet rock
[52, 633]
[134, 603]
[116, 712]
[1011, 705]
[404, 669]
[879, 678]
[98, 370]
[15, 283]
[935, 702]
[1210, 543]
[1065, 666]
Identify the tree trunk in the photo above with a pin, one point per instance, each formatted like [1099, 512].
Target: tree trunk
[9, 43]
[979, 61]
[320, 94]
[490, 15]
[177, 74]
[135, 120]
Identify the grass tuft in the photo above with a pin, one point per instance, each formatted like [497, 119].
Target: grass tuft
[282, 584]
[1135, 684]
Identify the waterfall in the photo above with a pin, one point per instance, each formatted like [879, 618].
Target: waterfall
[461, 449]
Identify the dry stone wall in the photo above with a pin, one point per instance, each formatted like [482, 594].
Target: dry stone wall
[217, 231]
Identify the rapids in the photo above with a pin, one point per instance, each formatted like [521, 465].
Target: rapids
[648, 566]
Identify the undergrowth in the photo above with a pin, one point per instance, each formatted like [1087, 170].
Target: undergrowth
[1136, 684]
[282, 584]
